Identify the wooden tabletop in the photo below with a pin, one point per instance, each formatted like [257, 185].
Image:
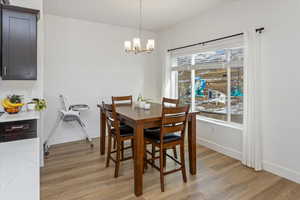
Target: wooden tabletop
[139, 114]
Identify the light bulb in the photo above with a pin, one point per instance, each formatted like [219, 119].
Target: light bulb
[150, 44]
[127, 45]
[137, 43]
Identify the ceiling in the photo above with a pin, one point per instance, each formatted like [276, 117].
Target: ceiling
[157, 14]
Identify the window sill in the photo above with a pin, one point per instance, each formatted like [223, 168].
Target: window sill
[220, 123]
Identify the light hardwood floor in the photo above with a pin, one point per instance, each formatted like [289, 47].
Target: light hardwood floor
[75, 172]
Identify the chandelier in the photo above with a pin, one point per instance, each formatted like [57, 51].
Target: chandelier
[135, 47]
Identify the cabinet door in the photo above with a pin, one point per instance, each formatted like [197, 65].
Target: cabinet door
[19, 50]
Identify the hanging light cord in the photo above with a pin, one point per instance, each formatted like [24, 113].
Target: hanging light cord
[141, 16]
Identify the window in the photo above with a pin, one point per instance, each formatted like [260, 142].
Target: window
[211, 82]
[211, 93]
[185, 87]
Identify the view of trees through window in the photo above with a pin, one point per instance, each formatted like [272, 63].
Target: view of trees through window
[212, 82]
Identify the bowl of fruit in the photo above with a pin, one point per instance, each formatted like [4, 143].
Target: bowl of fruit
[12, 104]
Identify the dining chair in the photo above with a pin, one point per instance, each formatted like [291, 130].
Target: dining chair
[119, 134]
[170, 135]
[170, 101]
[122, 101]
[165, 102]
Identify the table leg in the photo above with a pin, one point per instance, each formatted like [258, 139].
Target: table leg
[192, 144]
[102, 132]
[138, 159]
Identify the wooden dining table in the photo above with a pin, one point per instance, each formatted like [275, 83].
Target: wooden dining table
[139, 119]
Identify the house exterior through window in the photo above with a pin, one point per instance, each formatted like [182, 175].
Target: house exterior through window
[211, 80]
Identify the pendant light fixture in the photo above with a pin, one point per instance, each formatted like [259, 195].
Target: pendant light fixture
[135, 46]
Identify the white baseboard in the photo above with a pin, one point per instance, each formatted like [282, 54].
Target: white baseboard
[62, 136]
[267, 166]
[221, 149]
[61, 140]
[282, 171]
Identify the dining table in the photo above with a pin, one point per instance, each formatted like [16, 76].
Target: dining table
[139, 119]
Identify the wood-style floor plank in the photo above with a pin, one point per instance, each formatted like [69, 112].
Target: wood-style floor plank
[75, 172]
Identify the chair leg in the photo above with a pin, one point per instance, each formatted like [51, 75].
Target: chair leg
[108, 151]
[165, 157]
[161, 167]
[118, 159]
[182, 160]
[53, 130]
[175, 153]
[84, 130]
[115, 143]
[132, 148]
[145, 156]
[153, 155]
[122, 150]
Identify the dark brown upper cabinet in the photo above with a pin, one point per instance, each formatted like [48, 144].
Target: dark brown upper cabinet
[19, 43]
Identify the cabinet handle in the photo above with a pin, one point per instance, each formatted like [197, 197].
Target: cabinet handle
[5, 70]
[17, 127]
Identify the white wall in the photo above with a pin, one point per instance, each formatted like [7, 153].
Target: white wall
[220, 137]
[86, 62]
[280, 72]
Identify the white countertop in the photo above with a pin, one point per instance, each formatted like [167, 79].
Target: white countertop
[21, 116]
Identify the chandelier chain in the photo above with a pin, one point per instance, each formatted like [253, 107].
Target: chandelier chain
[141, 18]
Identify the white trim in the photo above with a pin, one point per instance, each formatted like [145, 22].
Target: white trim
[221, 149]
[220, 122]
[228, 93]
[212, 65]
[282, 171]
[174, 87]
[193, 88]
[267, 166]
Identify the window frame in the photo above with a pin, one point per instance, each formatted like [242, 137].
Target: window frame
[227, 65]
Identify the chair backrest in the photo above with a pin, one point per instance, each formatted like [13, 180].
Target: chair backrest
[122, 100]
[113, 124]
[174, 120]
[64, 102]
[167, 101]
[106, 106]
